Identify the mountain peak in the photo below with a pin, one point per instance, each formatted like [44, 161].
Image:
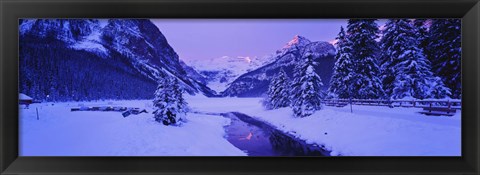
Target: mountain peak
[297, 40]
[255, 83]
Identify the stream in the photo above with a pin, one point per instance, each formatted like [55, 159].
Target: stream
[257, 138]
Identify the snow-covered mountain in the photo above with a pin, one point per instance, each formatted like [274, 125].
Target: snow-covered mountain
[255, 82]
[219, 72]
[136, 45]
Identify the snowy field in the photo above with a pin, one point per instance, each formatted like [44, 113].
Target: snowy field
[60, 132]
[369, 131]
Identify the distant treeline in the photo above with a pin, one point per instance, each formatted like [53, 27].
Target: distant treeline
[50, 71]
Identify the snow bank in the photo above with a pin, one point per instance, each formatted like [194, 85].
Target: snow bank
[24, 97]
[60, 132]
[368, 131]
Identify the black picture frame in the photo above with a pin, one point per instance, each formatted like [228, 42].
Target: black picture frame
[12, 10]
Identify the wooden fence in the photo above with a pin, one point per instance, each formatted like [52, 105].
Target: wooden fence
[451, 104]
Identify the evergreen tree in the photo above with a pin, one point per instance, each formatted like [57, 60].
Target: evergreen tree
[445, 52]
[393, 44]
[182, 105]
[169, 103]
[363, 34]
[417, 81]
[306, 93]
[406, 71]
[421, 26]
[278, 95]
[341, 80]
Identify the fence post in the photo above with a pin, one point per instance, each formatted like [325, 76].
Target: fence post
[351, 109]
[413, 101]
[38, 118]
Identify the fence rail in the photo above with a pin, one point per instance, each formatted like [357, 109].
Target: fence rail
[453, 104]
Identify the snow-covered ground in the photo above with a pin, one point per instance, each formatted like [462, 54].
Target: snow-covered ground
[60, 132]
[368, 131]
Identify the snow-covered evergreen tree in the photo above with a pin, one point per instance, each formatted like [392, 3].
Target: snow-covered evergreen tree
[182, 105]
[341, 80]
[445, 52]
[363, 34]
[278, 94]
[392, 45]
[418, 82]
[306, 94]
[422, 27]
[406, 71]
[168, 102]
[160, 102]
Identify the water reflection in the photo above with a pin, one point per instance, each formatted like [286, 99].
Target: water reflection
[249, 136]
[260, 139]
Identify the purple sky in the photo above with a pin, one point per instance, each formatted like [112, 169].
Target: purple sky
[213, 38]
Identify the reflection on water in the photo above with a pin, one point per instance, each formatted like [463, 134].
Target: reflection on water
[260, 139]
[249, 136]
